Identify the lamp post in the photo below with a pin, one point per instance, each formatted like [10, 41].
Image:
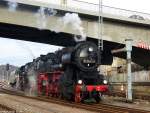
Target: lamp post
[129, 77]
[7, 72]
[128, 50]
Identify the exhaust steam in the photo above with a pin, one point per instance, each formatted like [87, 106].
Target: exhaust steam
[12, 4]
[73, 20]
[42, 16]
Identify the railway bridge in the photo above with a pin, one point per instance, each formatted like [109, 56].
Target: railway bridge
[23, 24]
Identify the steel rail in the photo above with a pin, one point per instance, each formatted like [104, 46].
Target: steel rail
[4, 108]
[102, 108]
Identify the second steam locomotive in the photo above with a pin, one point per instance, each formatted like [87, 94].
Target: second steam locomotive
[70, 73]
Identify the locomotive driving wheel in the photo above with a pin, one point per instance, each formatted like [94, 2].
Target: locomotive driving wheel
[98, 97]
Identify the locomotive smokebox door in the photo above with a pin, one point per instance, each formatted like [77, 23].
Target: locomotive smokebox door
[86, 56]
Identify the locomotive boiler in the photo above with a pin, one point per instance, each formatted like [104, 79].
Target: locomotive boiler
[70, 73]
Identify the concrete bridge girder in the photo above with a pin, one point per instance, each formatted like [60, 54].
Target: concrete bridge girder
[22, 24]
[114, 31]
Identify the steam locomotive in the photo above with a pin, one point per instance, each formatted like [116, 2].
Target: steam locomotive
[70, 73]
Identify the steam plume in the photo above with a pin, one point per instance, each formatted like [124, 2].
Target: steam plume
[73, 20]
[42, 16]
[12, 4]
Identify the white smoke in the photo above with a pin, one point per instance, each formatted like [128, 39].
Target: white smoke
[33, 84]
[73, 20]
[42, 16]
[12, 4]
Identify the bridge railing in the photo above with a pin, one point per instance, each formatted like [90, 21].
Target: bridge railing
[108, 10]
[77, 4]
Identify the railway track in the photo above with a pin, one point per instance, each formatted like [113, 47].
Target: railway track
[100, 108]
[5, 109]
[135, 96]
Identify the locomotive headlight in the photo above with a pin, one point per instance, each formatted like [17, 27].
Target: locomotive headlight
[90, 49]
[105, 82]
[79, 81]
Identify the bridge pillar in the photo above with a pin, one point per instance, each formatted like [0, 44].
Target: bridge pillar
[129, 77]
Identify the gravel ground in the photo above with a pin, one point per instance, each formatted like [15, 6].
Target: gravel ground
[23, 105]
[2, 109]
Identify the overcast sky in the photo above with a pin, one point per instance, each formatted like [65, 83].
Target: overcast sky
[17, 52]
[21, 52]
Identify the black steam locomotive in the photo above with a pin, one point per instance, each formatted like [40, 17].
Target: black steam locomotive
[69, 73]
